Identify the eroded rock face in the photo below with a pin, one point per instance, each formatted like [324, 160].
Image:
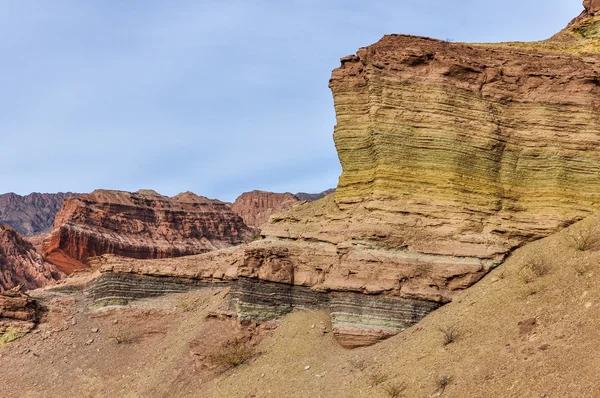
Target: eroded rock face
[31, 214]
[452, 155]
[140, 225]
[21, 265]
[19, 313]
[257, 206]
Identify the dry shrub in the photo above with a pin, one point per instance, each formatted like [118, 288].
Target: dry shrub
[534, 269]
[234, 353]
[394, 390]
[377, 378]
[583, 237]
[123, 335]
[449, 334]
[582, 268]
[442, 383]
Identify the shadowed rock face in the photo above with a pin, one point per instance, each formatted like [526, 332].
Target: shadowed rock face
[140, 225]
[31, 214]
[452, 156]
[20, 264]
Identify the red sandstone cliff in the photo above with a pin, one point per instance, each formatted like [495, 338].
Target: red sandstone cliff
[140, 225]
[257, 206]
[20, 264]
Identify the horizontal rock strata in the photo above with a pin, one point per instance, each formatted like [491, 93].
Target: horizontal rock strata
[140, 225]
[120, 289]
[452, 156]
[357, 319]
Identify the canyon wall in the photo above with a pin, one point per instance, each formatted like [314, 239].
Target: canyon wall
[140, 225]
[31, 214]
[452, 156]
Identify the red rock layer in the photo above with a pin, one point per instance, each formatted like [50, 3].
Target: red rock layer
[257, 207]
[20, 264]
[140, 225]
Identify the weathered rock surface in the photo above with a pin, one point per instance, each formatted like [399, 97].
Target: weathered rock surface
[453, 155]
[21, 265]
[31, 214]
[257, 207]
[140, 225]
[19, 313]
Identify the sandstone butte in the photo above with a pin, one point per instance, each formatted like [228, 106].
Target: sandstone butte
[21, 265]
[453, 155]
[140, 225]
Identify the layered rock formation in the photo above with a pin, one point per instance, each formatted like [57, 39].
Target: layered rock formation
[140, 225]
[257, 207]
[453, 155]
[21, 265]
[19, 314]
[31, 214]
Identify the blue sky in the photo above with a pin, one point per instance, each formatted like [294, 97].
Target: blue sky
[212, 96]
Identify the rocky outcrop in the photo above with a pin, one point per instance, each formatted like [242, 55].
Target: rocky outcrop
[452, 156]
[140, 225]
[21, 265]
[19, 313]
[357, 319]
[31, 214]
[257, 207]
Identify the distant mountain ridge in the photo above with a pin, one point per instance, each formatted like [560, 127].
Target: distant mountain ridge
[31, 214]
[311, 197]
